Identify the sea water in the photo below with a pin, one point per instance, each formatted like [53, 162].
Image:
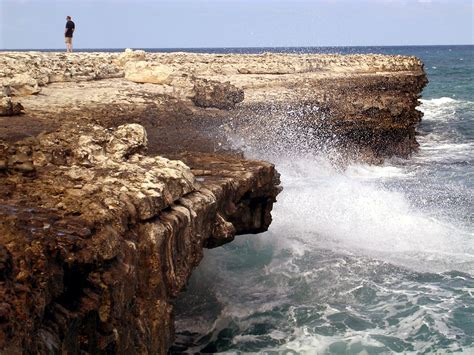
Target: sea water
[368, 260]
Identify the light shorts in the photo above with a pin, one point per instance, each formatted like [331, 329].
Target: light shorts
[68, 40]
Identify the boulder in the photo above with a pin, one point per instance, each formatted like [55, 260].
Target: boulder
[9, 107]
[127, 140]
[4, 91]
[131, 56]
[146, 72]
[210, 93]
[22, 85]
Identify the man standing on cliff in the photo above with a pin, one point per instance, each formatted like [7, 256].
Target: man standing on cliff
[68, 31]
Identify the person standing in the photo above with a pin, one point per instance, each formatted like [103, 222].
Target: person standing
[68, 31]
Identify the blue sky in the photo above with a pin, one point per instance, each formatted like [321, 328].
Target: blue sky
[39, 24]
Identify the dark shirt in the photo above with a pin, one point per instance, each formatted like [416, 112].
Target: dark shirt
[70, 26]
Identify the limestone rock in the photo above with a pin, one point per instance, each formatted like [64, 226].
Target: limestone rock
[22, 85]
[96, 237]
[9, 107]
[131, 55]
[210, 93]
[5, 91]
[127, 140]
[146, 72]
[100, 237]
[25, 72]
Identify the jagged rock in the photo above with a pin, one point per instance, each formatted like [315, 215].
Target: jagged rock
[352, 100]
[29, 71]
[146, 72]
[22, 85]
[96, 237]
[127, 140]
[96, 240]
[5, 91]
[9, 107]
[210, 93]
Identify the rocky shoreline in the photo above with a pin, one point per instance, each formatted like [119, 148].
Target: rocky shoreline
[117, 169]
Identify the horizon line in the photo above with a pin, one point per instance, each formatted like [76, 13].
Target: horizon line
[241, 47]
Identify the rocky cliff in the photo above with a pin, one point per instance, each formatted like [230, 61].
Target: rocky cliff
[361, 105]
[96, 237]
[117, 169]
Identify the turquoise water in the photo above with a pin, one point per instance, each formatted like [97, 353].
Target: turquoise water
[370, 260]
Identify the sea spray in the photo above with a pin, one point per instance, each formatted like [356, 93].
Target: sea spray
[360, 258]
[352, 262]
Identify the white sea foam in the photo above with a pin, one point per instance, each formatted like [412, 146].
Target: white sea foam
[440, 101]
[321, 207]
[371, 172]
[351, 210]
[443, 108]
[335, 231]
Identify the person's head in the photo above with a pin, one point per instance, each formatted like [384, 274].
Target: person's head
[68, 18]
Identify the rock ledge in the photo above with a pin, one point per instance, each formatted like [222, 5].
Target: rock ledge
[96, 237]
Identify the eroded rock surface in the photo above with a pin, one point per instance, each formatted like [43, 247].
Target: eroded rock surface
[209, 93]
[110, 188]
[146, 72]
[9, 107]
[356, 103]
[96, 238]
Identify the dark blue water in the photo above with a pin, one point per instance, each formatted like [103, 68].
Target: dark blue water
[371, 260]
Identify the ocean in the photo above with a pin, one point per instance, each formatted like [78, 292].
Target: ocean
[368, 260]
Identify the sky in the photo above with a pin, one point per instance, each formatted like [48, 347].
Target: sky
[39, 24]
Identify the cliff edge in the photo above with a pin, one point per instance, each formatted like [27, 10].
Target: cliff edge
[117, 169]
[96, 237]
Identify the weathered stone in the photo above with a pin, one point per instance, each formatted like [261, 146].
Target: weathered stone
[5, 91]
[22, 85]
[352, 100]
[130, 55]
[9, 107]
[101, 237]
[210, 93]
[146, 72]
[96, 237]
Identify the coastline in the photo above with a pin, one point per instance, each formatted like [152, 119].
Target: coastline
[189, 105]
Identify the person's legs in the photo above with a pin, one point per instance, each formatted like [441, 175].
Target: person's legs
[68, 41]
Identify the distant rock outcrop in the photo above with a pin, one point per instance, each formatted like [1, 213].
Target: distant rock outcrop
[210, 93]
[131, 56]
[146, 72]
